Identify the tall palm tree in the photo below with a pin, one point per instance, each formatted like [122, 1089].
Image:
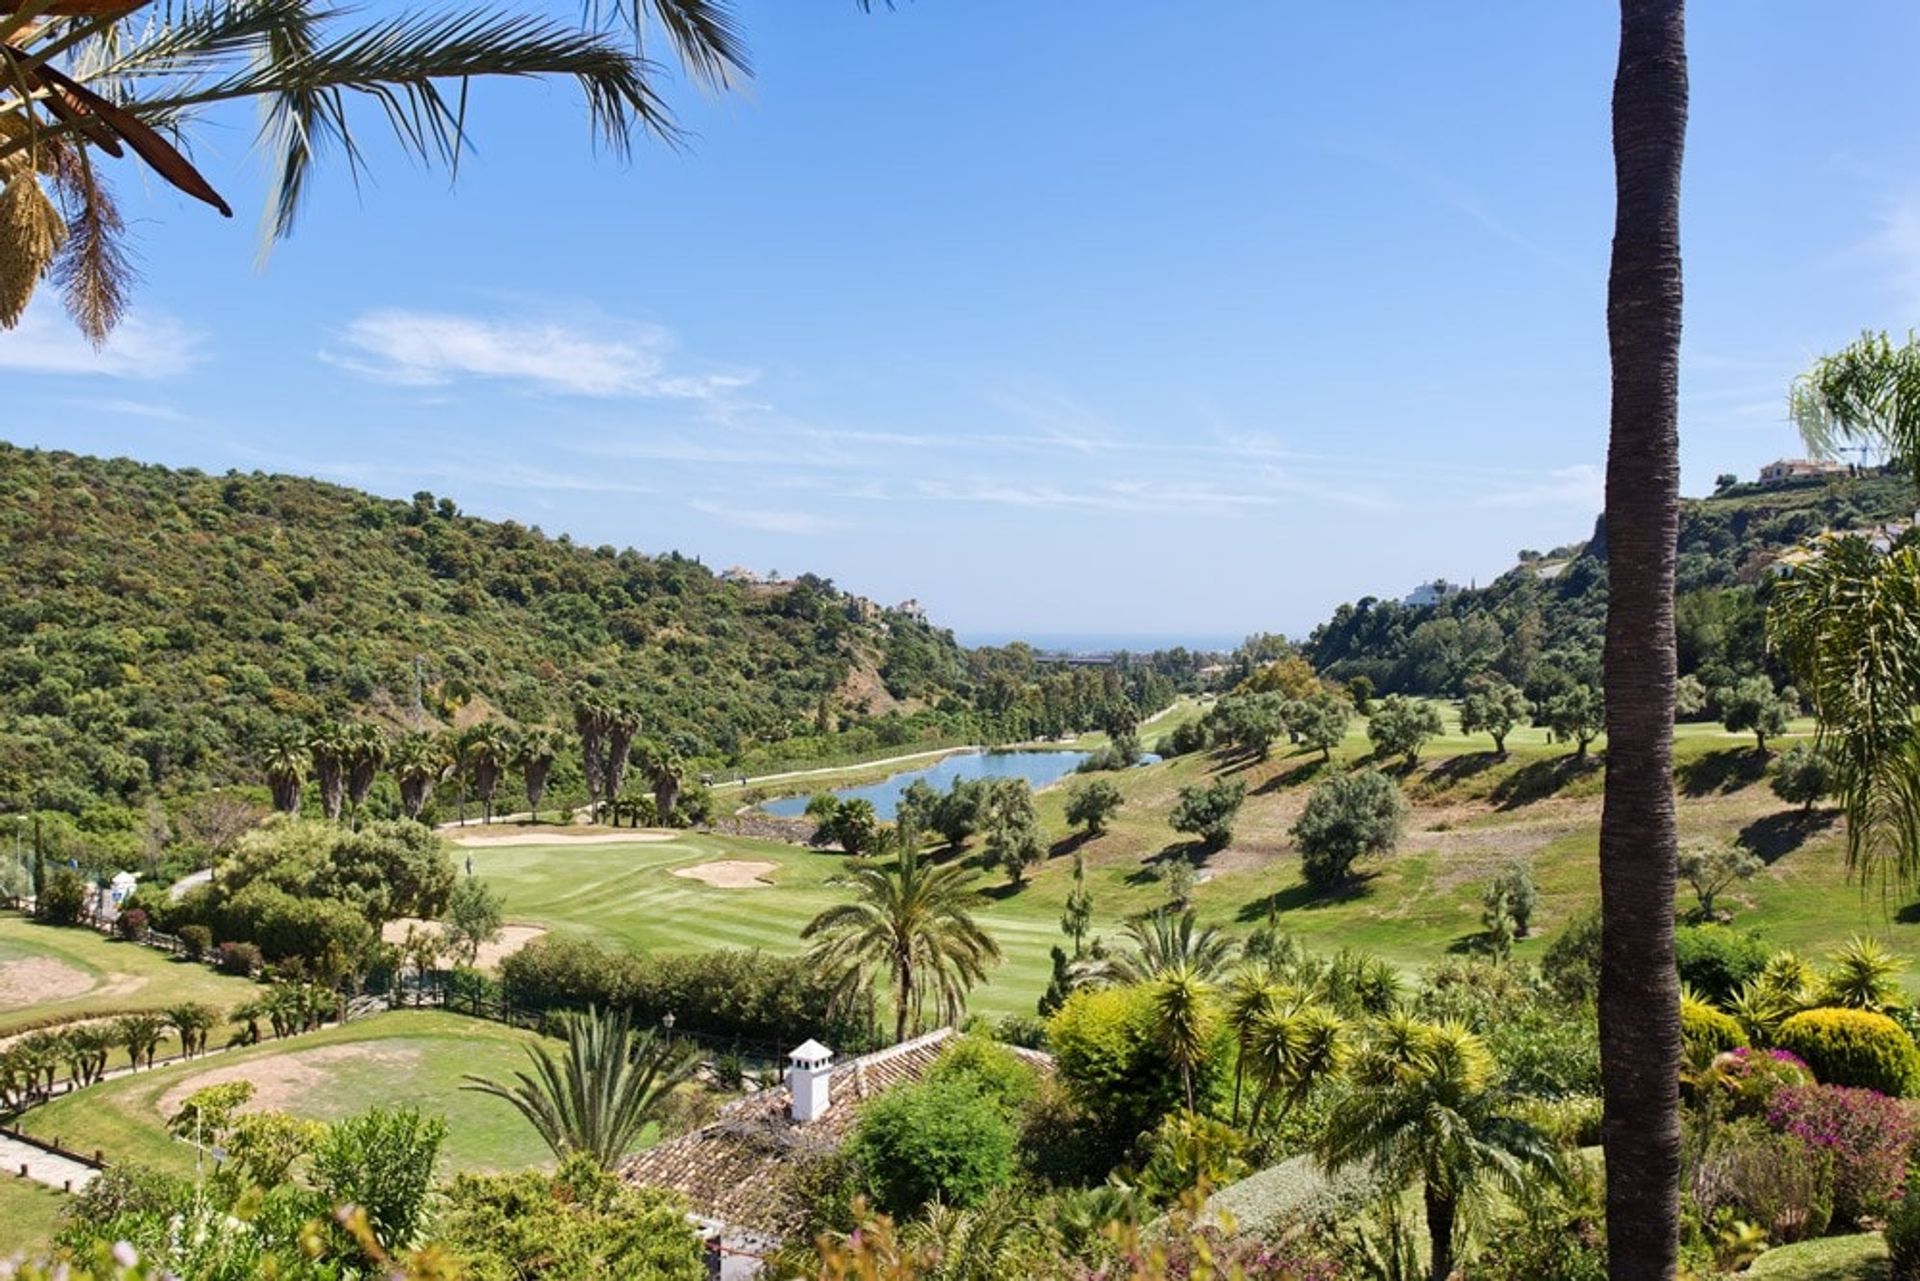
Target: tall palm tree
[534, 754]
[486, 753]
[418, 763]
[1254, 991]
[622, 723]
[601, 1093]
[1639, 845]
[1421, 1107]
[366, 752]
[666, 772]
[88, 79]
[1161, 941]
[590, 716]
[287, 761]
[913, 921]
[327, 747]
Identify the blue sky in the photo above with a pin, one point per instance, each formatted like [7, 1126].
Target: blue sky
[1060, 317]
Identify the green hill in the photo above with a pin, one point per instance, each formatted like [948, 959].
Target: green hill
[158, 624]
[1547, 614]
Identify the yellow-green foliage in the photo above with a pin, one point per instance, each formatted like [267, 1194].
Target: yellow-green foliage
[1108, 1049]
[1707, 1031]
[1853, 1047]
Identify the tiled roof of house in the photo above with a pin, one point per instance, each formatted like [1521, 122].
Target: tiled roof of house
[734, 1170]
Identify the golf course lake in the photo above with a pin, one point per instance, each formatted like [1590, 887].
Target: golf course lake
[1038, 768]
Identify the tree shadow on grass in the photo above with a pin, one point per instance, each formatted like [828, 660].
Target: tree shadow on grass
[1540, 779]
[1774, 836]
[1727, 770]
[1305, 896]
[1071, 843]
[1478, 943]
[1458, 769]
[1294, 776]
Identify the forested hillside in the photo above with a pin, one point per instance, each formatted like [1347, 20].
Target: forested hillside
[1543, 619]
[158, 624]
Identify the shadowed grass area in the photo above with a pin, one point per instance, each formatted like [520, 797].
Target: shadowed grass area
[407, 1058]
[29, 1215]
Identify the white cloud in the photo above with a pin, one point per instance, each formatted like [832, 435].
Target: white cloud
[766, 519]
[146, 346]
[604, 359]
[1115, 496]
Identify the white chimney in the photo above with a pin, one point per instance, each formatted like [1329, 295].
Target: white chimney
[808, 1071]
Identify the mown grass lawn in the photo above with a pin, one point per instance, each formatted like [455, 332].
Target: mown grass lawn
[412, 1058]
[49, 972]
[29, 1214]
[1861, 1257]
[1474, 812]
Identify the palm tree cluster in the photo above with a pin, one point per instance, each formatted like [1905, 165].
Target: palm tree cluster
[31, 1065]
[344, 761]
[286, 1008]
[82, 81]
[910, 923]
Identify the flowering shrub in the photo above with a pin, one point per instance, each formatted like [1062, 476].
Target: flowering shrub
[1747, 1079]
[1781, 1182]
[131, 924]
[1868, 1134]
[1853, 1047]
[238, 958]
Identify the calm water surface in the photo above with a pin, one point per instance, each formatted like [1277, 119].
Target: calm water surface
[1038, 768]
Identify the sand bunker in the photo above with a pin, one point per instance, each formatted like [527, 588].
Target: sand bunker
[282, 1082]
[37, 980]
[512, 939]
[558, 836]
[730, 874]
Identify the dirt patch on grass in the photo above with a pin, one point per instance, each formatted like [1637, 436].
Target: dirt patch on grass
[730, 874]
[560, 836]
[512, 938]
[38, 980]
[281, 1082]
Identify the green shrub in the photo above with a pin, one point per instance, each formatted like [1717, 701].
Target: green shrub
[1572, 961]
[1708, 1032]
[1853, 1047]
[991, 1069]
[1109, 1052]
[1347, 817]
[1716, 961]
[63, 898]
[1903, 1235]
[197, 940]
[937, 1140]
[1777, 1181]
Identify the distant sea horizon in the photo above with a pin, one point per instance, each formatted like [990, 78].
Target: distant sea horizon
[1105, 642]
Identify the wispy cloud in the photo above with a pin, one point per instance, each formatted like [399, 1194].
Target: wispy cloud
[133, 409]
[1581, 487]
[145, 346]
[1113, 496]
[766, 519]
[598, 359]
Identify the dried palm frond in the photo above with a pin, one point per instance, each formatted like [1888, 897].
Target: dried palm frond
[31, 232]
[92, 268]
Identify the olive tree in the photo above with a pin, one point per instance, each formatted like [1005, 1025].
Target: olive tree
[1347, 817]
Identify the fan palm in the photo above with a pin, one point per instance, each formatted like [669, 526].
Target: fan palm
[366, 751]
[598, 1095]
[1422, 1108]
[90, 78]
[913, 921]
[287, 761]
[666, 772]
[486, 752]
[327, 748]
[1159, 942]
[534, 754]
[590, 716]
[418, 763]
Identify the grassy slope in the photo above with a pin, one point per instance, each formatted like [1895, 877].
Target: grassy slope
[1861, 1257]
[29, 1214]
[1473, 814]
[125, 976]
[412, 1057]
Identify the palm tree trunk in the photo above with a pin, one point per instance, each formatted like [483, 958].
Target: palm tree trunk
[1639, 990]
[1440, 1214]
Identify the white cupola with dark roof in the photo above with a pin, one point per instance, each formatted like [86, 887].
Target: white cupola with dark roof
[809, 1069]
